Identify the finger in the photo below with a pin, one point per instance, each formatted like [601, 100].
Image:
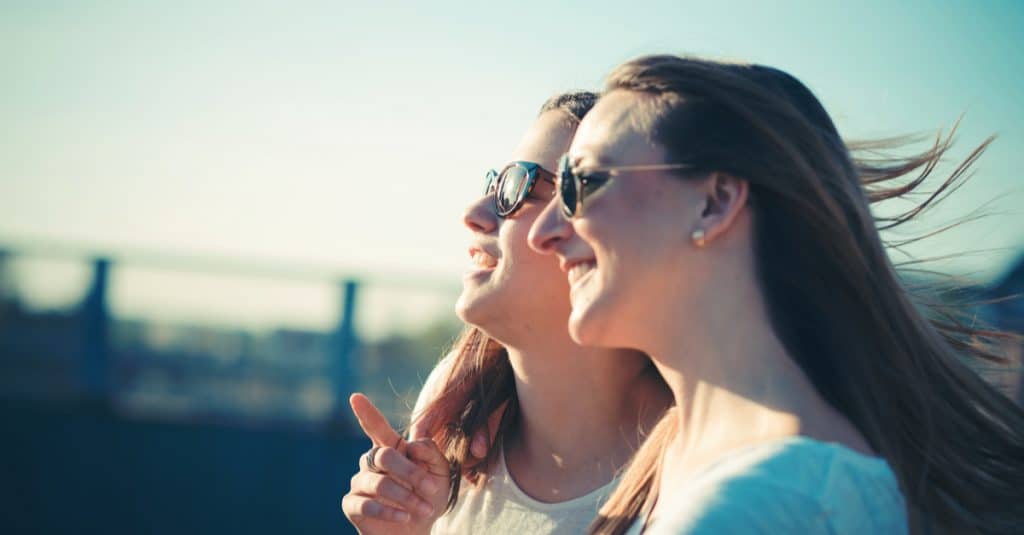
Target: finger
[387, 491]
[374, 424]
[407, 472]
[426, 453]
[398, 466]
[361, 508]
[364, 466]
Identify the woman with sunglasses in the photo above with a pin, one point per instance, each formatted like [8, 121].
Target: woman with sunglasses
[711, 216]
[567, 417]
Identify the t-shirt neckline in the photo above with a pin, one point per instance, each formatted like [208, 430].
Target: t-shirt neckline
[535, 504]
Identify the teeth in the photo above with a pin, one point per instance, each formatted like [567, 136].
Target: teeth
[482, 259]
[579, 270]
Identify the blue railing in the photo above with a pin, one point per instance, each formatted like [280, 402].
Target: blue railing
[110, 433]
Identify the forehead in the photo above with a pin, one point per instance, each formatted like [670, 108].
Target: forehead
[546, 139]
[614, 133]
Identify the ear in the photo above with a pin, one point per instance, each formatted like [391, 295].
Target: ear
[725, 199]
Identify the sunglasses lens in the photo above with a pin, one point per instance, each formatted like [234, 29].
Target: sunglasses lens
[566, 187]
[511, 189]
[490, 181]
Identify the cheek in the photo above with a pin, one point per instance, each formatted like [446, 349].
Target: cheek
[637, 244]
[523, 262]
[655, 219]
[619, 242]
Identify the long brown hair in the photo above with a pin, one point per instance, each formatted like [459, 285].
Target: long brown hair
[894, 369]
[480, 379]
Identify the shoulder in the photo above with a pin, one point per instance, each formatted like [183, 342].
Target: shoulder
[791, 486]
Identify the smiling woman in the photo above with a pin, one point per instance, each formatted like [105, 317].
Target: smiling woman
[504, 406]
[729, 237]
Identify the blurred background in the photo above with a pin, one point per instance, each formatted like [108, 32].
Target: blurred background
[219, 219]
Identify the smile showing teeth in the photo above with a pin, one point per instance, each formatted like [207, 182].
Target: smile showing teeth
[578, 271]
[482, 259]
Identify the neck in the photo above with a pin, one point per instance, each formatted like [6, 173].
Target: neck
[578, 404]
[581, 411]
[734, 382]
[734, 390]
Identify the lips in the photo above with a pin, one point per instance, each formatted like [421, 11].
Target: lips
[481, 259]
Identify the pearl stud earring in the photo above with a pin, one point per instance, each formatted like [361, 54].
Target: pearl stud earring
[698, 237]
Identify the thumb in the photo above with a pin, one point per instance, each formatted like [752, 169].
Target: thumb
[426, 453]
[374, 424]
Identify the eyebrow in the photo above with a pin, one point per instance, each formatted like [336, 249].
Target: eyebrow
[598, 161]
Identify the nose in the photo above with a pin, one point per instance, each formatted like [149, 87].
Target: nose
[549, 230]
[480, 216]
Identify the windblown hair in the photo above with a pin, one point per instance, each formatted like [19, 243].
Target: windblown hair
[890, 361]
[480, 380]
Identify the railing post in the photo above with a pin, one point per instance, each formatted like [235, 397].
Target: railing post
[8, 297]
[6, 287]
[95, 377]
[344, 346]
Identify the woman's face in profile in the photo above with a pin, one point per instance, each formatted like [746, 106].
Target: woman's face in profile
[627, 253]
[509, 288]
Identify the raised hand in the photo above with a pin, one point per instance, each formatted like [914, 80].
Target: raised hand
[401, 486]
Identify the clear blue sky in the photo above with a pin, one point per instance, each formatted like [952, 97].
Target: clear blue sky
[352, 134]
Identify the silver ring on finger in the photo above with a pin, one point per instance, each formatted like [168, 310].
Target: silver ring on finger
[370, 455]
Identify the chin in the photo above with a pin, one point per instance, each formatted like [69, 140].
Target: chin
[585, 328]
[588, 317]
[464, 308]
[475, 307]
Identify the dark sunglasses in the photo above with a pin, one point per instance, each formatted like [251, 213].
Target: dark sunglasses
[513, 185]
[573, 185]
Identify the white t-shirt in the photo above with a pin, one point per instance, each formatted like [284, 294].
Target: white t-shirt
[500, 507]
[795, 485]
